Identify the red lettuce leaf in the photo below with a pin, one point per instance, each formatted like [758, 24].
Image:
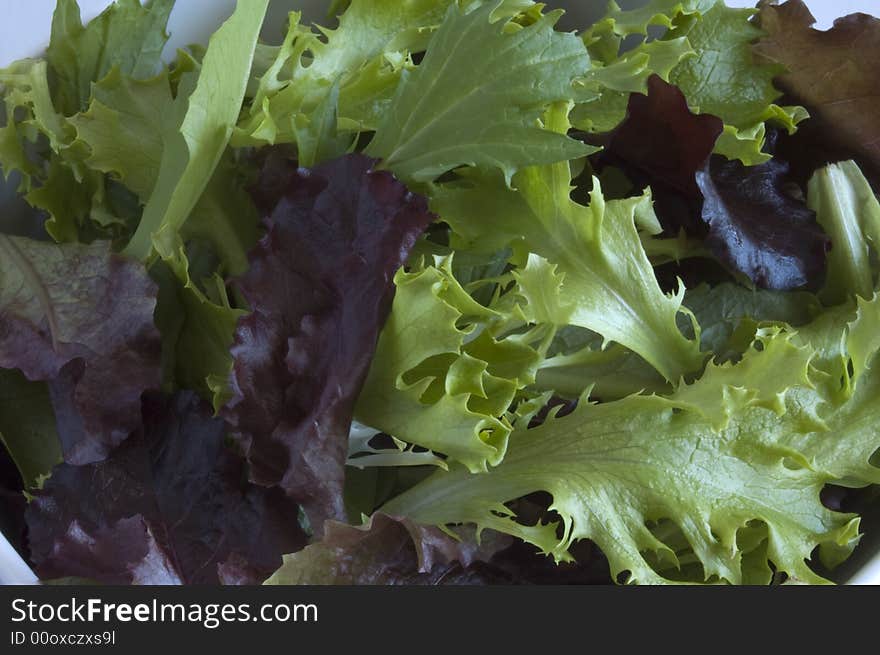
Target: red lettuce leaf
[80, 318]
[170, 506]
[320, 287]
[661, 141]
[834, 73]
[392, 551]
[662, 144]
[746, 215]
[758, 228]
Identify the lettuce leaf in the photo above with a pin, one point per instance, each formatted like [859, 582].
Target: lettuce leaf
[758, 228]
[725, 79]
[319, 289]
[170, 506]
[847, 207]
[601, 268]
[707, 53]
[441, 379]
[614, 468]
[80, 318]
[383, 551]
[27, 427]
[476, 67]
[127, 37]
[833, 72]
[39, 95]
[730, 315]
[207, 109]
[363, 58]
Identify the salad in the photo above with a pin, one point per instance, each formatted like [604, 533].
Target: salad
[444, 294]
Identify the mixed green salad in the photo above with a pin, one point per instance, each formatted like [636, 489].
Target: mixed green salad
[444, 294]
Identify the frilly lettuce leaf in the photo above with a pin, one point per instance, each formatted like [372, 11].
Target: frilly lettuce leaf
[729, 316]
[599, 264]
[476, 97]
[611, 84]
[364, 57]
[31, 119]
[614, 468]
[440, 379]
[712, 64]
[40, 94]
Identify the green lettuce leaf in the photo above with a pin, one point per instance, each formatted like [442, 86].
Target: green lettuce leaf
[27, 426]
[847, 207]
[726, 80]
[614, 467]
[208, 108]
[730, 315]
[601, 268]
[39, 94]
[477, 95]
[363, 57]
[611, 82]
[127, 36]
[31, 123]
[440, 379]
[706, 51]
[122, 132]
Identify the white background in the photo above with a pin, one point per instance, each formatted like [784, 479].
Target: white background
[24, 28]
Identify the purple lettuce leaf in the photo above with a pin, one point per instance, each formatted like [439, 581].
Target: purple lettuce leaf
[391, 551]
[662, 139]
[757, 227]
[171, 505]
[747, 216]
[320, 287]
[80, 318]
[662, 144]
